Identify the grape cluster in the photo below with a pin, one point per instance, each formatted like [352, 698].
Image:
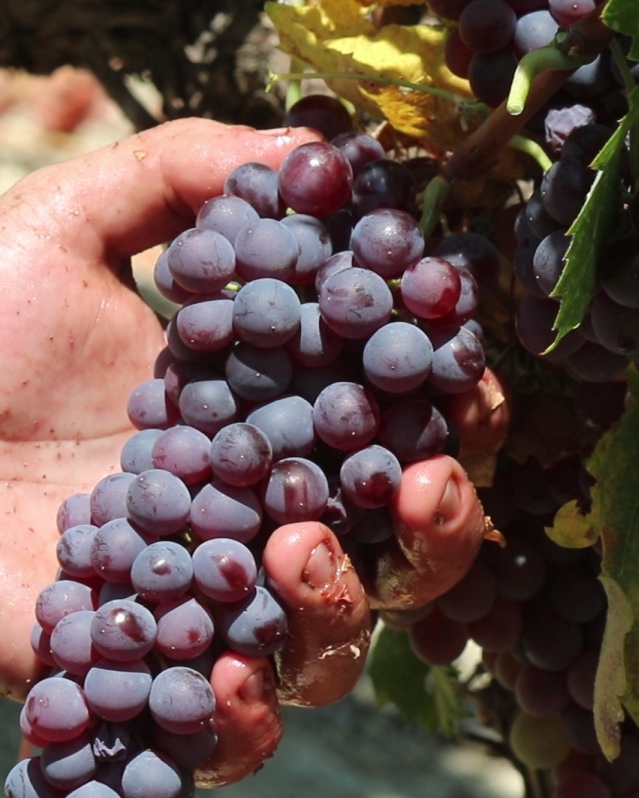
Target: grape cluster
[537, 610]
[489, 37]
[607, 340]
[298, 379]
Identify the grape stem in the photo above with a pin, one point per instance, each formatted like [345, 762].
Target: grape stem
[479, 151]
[363, 77]
[629, 84]
[532, 148]
[533, 64]
[432, 201]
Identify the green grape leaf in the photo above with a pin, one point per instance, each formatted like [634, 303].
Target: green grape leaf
[623, 17]
[591, 229]
[429, 695]
[615, 515]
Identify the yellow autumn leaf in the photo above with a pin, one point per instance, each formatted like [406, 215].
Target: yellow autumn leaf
[571, 528]
[335, 37]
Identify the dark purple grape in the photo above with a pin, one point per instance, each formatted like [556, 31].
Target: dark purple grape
[384, 184]
[322, 112]
[315, 179]
[257, 184]
[487, 25]
[490, 75]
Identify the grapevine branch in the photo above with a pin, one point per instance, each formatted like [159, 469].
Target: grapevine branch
[478, 153]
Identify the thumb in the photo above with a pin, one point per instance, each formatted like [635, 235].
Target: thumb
[439, 527]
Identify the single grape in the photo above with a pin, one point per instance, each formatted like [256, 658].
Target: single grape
[183, 451]
[534, 30]
[151, 773]
[223, 510]
[208, 404]
[241, 454]
[162, 572]
[225, 214]
[296, 490]
[158, 502]
[56, 709]
[370, 477]
[205, 323]
[256, 183]
[437, 640]
[74, 510]
[355, 302]
[540, 743]
[61, 598]
[316, 179]
[181, 700]
[314, 244]
[71, 644]
[108, 497]
[398, 357]
[490, 75]
[346, 416]
[149, 407]
[26, 780]
[472, 597]
[67, 765]
[224, 569]
[123, 630]
[458, 360]
[115, 545]
[413, 429]
[185, 628]
[266, 248]
[386, 241]
[73, 550]
[201, 261]
[287, 422]
[266, 313]
[487, 25]
[256, 626]
[359, 149]
[430, 287]
[257, 374]
[384, 183]
[135, 455]
[324, 112]
[188, 751]
[118, 691]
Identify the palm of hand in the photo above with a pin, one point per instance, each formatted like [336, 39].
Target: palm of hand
[76, 341]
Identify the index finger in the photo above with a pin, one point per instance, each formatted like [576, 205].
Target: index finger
[145, 189]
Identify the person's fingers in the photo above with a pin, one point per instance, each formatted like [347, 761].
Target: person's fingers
[144, 189]
[439, 527]
[480, 416]
[329, 619]
[247, 719]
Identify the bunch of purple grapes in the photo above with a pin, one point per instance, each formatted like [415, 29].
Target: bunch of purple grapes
[300, 375]
[607, 340]
[491, 36]
[537, 610]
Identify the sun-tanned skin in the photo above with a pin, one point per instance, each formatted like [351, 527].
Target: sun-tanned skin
[75, 339]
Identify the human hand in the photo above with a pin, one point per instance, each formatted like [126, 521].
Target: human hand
[76, 339]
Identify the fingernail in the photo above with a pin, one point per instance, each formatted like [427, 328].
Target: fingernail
[320, 570]
[448, 506]
[256, 686]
